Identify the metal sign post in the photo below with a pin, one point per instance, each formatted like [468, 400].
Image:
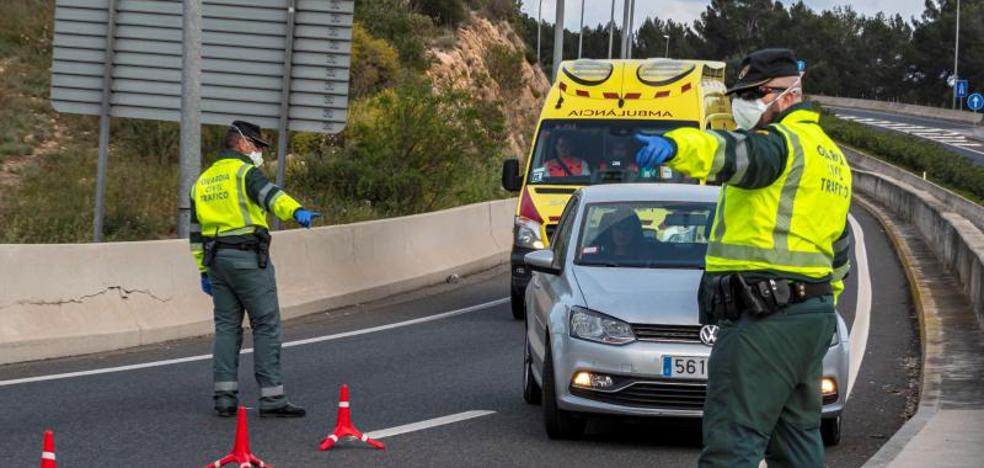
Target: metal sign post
[99, 210]
[191, 110]
[282, 136]
[558, 52]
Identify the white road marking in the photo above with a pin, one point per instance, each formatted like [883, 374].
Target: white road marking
[289, 344]
[421, 425]
[939, 135]
[862, 311]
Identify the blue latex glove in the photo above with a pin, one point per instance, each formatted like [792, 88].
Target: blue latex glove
[657, 151]
[305, 217]
[206, 285]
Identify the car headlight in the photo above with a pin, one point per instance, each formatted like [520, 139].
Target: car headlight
[527, 234]
[595, 326]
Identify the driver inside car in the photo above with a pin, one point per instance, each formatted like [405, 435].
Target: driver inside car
[565, 163]
[623, 239]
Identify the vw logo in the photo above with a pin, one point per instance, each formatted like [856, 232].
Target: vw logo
[709, 334]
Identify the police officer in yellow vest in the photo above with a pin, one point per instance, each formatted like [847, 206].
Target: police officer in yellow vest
[776, 258]
[230, 242]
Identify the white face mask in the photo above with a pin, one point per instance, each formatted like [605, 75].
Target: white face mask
[257, 158]
[747, 113]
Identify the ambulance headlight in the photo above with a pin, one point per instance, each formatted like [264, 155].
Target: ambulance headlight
[527, 234]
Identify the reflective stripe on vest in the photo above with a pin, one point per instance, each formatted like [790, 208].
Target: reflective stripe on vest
[803, 230]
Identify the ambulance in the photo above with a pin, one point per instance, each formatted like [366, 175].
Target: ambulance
[586, 135]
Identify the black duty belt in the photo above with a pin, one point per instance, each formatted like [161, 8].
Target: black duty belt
[241, 246]
[734, 295]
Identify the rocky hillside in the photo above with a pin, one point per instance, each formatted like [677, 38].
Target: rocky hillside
[487, 60]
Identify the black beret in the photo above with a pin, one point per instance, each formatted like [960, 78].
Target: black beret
[761, 66]
[251, 131]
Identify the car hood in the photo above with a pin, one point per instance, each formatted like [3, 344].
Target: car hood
[642, 295]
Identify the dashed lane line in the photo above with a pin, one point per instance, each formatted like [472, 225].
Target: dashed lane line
[289, 344]
[430, 423]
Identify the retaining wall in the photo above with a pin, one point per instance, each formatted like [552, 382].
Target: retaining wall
[66, 300]
[897, 107]
[950, 224]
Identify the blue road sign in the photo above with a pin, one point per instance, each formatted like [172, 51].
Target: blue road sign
[975, 102]
[962, 88]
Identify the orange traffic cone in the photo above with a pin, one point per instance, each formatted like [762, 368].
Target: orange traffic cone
[48, 451]
[240, 450]
[345, 428]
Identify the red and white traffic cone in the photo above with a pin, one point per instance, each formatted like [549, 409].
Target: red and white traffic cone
[240, 450]
[345, 428]
[48, 451]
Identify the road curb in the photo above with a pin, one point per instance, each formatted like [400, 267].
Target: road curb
[930, 338]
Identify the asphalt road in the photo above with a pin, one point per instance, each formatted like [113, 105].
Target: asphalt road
[960, 138]
[161, 416]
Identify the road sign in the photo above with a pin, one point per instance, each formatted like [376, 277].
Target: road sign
[962, 88]
[975, 102]
[243, 60]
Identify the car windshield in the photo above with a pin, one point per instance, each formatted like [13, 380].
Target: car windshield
[587, 152]
[645, 234]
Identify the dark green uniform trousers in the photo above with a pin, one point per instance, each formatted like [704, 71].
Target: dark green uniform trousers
[763, 389]
[239, 283]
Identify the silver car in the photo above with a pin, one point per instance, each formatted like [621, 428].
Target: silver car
[612, 324]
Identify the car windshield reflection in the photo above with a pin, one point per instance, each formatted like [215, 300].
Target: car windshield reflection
[645, 235]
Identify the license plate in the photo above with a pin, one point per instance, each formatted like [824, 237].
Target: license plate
[685, 367]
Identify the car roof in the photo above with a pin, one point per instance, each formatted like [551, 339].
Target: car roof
[607, 193]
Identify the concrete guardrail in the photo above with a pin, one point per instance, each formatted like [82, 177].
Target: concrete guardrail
[900, 108]
[952, 226]
[62, 300]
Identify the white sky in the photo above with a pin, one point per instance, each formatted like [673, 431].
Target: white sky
[685, 11]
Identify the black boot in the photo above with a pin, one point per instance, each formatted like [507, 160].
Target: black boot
[289, 410]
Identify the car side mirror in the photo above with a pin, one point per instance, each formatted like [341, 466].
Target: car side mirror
[511, 180]
[542, 261]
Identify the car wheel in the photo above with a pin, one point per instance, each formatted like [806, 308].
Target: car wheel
[830, 430]
[518, 302]
[560, 424]
[532, 392]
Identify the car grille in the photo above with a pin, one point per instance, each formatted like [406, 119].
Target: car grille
[675, 395]
[672, 333]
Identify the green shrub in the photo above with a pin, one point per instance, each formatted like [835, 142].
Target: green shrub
[404, 29]
[408, 150]
[375, 63]
[443, 12]
[505, 66]
[914, 154]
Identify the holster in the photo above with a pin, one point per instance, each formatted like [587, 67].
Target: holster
[263, 248]
[733, 294]
[209, 245]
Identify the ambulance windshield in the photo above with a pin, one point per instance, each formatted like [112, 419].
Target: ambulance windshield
[587, 152]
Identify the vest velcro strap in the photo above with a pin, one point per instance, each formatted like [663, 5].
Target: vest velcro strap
[770, 256]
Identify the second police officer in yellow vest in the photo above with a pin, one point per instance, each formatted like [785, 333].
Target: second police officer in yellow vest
[777, 255]
[230, 241]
